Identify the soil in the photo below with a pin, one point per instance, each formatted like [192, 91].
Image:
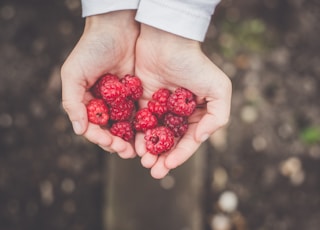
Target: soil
[267, 158]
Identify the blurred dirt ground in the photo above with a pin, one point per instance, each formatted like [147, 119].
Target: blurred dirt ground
[263, 169]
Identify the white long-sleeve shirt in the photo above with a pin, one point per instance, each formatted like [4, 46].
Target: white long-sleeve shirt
[186, 18]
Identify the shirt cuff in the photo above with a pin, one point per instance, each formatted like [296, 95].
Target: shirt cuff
[186, 18]
[93, 7]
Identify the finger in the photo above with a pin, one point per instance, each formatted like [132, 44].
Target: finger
[73, 91]
[217, 116]
[197, 115]
[140, 144]
[99, 136]
[148, 160]
[159, 170]
[123, 148]
[107, 149]
[184, 149]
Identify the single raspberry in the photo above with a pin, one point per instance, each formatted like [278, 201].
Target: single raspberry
[177, 124]
[98, 112]
[157, 108]
[161, 95]
[95, 89]
[158, 104]
[182, 102]
[159, 140]
[112, 91]
[123, 129]
[121, 109]
[134, 86]
[144, 120]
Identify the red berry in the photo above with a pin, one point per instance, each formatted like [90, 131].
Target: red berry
[134, 86]
[121, 109]
[158, 104]
[144, 120]
[96, 91]
[161, 95]
[182, 102]
[123, 129]
[177, 124]
[159, 140]
[112, 91]
[98, 112]
[157, 108]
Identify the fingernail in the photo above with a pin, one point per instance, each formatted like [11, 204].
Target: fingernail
[204, 137]
[76, 127]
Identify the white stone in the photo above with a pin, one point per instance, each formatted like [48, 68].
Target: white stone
[167, 182]
[220, 222]
[228, 201]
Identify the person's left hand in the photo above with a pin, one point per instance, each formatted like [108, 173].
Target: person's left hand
[164, 60]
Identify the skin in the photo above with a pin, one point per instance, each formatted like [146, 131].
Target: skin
[160, 59]
[166, 60]
[103, 48]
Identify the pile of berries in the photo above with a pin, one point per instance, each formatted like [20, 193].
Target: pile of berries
[165, 118]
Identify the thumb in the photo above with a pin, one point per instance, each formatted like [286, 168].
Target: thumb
[217, 115]
[73, 95]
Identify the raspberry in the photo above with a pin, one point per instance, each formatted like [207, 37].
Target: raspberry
[121, 109]
[98, 112]
[112, 91]
[157, 108]
[159, 140]
[158, 104]
[133, 85]
[177, 124]
[182, 102]
[123, 129]
[161, 95]
[95, 90]
[144, 120]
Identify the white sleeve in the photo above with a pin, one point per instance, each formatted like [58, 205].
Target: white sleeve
[93, 7]
[186, 18]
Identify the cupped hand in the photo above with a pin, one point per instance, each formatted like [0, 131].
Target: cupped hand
[164, 60]
[106, 46]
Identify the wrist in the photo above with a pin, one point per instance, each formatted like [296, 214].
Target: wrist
[165, 45]
[114, 21]
[166, 38]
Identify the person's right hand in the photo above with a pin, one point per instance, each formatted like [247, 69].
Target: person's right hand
[106, 46]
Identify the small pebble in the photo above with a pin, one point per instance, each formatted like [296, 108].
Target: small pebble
[167, 182]
[285, 131]
[7, 12]
[219, 139]
[220, 178]
[249, 114]
[315, 152]
[259, 143]
[68, 185]
[69, 206]
[46, 191]
[5, 120]
[220, 222]
[292, 168]
[228, 201]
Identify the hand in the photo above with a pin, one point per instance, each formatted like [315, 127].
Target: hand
[107, 45]
[170, 61]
